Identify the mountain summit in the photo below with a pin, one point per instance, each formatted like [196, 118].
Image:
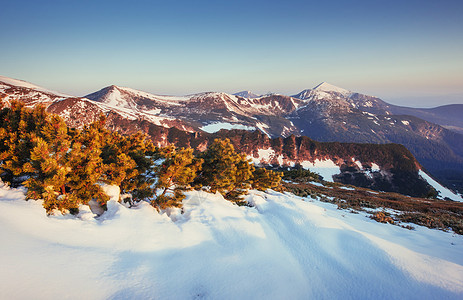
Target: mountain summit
[326, 87]
[247, 94]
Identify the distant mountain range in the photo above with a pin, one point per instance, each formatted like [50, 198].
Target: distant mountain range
[325, 113]
[449, 116]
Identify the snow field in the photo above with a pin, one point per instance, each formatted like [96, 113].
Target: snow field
[285, 247]
[217, 126]
[326, 168]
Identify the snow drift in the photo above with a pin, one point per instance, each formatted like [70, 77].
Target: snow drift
[285, 247]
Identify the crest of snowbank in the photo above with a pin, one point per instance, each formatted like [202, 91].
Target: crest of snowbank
[443, 191]
[113, 191]
[285, 247]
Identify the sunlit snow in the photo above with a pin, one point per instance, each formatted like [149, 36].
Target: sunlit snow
[326, 87]
[326, 168]
[214, 127]
[285, 247]
[25, 84]
[443, 191]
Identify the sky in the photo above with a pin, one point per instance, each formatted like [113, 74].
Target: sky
[405, 52]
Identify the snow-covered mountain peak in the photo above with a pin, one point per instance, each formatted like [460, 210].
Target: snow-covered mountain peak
[141, 94]
[24, 84]
[247, 94]
[326, 87]
[110, 95]
[124, 97]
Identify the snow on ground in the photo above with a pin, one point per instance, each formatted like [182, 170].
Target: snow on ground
[263, 127]
[214, 127]
[358, 163]
[134, 114]
[326, 168]
[443, 191]
[264, 156]
[347, 188]
[285, 247]
[317, 183]
[374, 166]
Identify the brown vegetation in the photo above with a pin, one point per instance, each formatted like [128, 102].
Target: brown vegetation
[432, 213]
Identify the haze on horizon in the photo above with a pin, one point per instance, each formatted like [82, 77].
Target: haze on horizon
[407, 53]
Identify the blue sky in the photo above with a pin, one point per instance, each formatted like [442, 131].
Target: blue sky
[401, 51]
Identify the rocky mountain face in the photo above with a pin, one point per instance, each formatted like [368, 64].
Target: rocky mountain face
[448, 116]
[325, 113]
[389, 167]
[266, 113]
[334, 115]
[28, 93]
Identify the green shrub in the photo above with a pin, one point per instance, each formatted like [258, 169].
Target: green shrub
[263, 179]
[225, 171]
[174, 175]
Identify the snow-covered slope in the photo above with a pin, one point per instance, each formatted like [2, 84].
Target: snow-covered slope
[330, 95]
[443, 191]
[30, 94]
[333, 114]
[285, 247]
[122, 97]
[214, 127]
[28, 85]
[206, 109]
[326, 87]
[124, 104]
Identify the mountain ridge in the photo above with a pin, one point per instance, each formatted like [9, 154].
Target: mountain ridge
[322, 114]
[247, 94]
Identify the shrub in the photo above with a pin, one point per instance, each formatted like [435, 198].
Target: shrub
[382, 217]
[225, 171]
[129, 163]
[299, 174]
[263, 179]
[65, 167]
[174, 175]
[19, 127]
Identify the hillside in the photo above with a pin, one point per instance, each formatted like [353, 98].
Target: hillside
[448, 116]
[282, 247]
[325, 113]
[125, 219]
[389, 167]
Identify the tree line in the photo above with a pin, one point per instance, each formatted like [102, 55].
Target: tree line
[66, 167]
